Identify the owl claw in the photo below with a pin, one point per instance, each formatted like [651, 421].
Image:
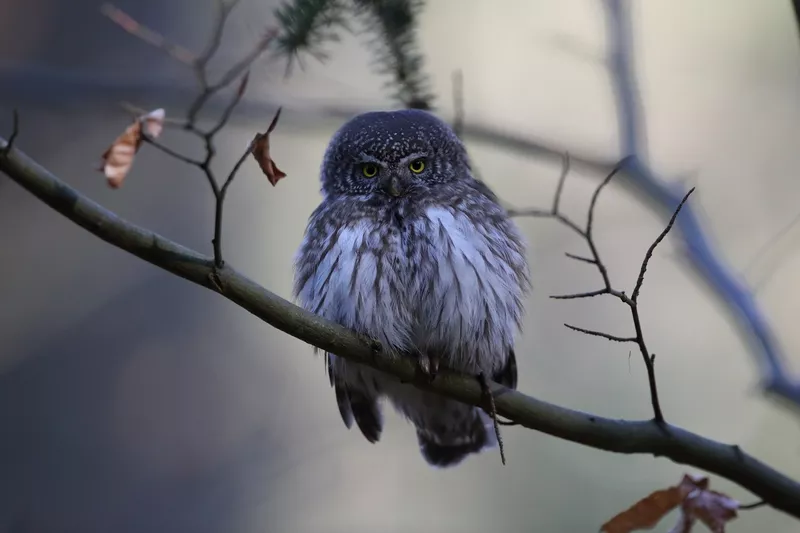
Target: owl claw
[428, 366]
[491, 409]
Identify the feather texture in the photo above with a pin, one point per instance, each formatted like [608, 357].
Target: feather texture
[438, 270]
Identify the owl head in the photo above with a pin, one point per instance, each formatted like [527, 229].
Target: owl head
[393, 154]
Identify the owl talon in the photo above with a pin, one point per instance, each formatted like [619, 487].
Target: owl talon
[428, 366]
[491, 409]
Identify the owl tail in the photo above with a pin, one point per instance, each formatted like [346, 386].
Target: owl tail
[458, 431]
[450, 431]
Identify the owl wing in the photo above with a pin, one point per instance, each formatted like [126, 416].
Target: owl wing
[508, 374]
[357, 393]
[320, 257]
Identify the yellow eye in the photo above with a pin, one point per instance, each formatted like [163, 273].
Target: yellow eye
[370, 170]
[417, 166]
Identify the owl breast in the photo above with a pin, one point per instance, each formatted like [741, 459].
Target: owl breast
[435, 280]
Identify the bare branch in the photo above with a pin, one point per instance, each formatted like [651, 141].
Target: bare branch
[169, 151]
[231, 75]
[595, 333]
[588, 235]
[226, 114]
[581, 258]
[579, 295]
[553, 212]
[565, 166]
[239, 70]
[629, 437]
[649, 254]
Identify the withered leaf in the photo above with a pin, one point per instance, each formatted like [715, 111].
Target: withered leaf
[118, 158]
[645, 513]
[712, 508]
[696, 501]
[262, 155]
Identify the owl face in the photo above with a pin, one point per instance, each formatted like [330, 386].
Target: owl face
[392, 155]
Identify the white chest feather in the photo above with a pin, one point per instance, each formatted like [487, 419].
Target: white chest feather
[438, 282]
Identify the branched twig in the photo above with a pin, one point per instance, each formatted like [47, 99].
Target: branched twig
[595, 259]
[240, 71]
[620, 436]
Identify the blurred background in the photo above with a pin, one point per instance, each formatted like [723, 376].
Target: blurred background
[133, 401]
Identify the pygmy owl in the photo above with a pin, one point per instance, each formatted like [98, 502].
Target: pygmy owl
[408, 248]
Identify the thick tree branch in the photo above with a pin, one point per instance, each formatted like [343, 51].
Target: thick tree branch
[705, 260]
[629, 437]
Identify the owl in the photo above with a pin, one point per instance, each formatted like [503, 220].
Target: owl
[408, 248]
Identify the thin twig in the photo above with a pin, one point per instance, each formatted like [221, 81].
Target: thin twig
[565, 166]
[208, 90]
[581, 258]
[595, 333]
[595, 259]
[239, 70]
[169, 151]
[226, 114]
[590, 224]
[220, 202]
[754, 505]
[579, 295]
[649, 254]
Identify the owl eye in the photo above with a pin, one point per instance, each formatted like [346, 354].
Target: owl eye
[417, 166]
[369, 170]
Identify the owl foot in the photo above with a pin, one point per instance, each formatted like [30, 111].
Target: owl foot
[428, 366]
[491, 409]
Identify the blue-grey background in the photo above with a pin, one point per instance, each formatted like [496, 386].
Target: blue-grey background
[132, 401]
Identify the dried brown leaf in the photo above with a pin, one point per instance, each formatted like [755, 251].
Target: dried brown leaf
[262, 155]
[118, 158]
[645, 513]
[696, 501]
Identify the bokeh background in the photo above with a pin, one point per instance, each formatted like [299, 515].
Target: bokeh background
[132, 401]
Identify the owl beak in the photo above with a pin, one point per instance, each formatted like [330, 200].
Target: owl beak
[394, 185]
